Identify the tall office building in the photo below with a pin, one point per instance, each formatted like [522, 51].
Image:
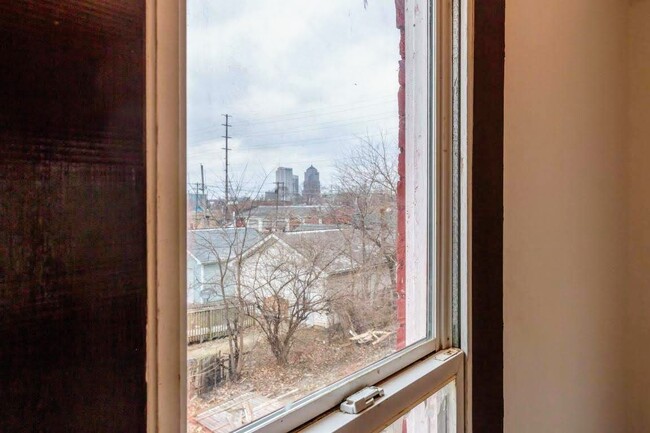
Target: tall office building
[311, 187]
[288, 184]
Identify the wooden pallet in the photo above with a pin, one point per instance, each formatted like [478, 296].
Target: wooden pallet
[239, 411]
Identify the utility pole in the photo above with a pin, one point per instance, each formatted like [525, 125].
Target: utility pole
[204, 199]
[227, 125]
[277, 200]
[196, 202]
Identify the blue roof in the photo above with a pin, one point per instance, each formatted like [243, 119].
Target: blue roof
[220, 244]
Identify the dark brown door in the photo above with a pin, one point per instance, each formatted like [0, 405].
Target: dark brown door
[72, 216]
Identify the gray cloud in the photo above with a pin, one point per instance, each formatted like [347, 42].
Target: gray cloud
[301, 79]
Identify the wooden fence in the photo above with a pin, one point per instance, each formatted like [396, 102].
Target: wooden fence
[207, 322]
[203, 374]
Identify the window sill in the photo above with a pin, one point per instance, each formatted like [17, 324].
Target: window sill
[403, 390]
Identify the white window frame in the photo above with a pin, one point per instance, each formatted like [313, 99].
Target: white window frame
[166, 232]
[404, 391]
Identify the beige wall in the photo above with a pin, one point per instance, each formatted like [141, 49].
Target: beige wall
[638, 307]
[566, 175]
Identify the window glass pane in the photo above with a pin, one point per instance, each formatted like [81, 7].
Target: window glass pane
[305, 261]
[437, 414]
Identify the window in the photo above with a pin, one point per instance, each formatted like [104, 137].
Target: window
[301, 289]
[435, 414]
[404, 408]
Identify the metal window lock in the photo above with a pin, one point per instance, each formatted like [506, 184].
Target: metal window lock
[361, 400]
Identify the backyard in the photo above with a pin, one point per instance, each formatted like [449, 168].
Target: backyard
[318, 358]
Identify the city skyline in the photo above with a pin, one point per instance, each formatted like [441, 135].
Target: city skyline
[314, 187]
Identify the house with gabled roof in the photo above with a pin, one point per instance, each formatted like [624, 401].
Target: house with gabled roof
[315, 265]
[312, 266]
[210, 255]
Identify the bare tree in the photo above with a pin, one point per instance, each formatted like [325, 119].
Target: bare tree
[224, 247]
[286, 283]
[365, 207]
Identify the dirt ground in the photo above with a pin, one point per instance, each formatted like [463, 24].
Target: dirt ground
[314, 362]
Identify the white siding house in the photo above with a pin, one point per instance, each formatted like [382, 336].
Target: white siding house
[302, 269]
[211, 254]
[280, 273]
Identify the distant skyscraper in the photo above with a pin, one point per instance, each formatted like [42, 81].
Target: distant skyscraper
[288, 187]
[311, 187]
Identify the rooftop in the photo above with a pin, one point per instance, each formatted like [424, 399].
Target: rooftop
[213, 245]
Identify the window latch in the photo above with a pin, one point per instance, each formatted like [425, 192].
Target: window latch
[361, 400]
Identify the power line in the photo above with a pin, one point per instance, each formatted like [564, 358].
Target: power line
[339, 125]
[367, 117]
[315, 114]
[324, 125]
[385, 98]
[293, 143]
[292, 116]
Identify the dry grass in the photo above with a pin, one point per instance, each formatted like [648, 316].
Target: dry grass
[315, 361]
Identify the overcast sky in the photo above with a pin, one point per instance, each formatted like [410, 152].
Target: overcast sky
[302, 80]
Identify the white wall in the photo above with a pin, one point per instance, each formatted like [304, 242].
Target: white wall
[638, 306]
[565, 238]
